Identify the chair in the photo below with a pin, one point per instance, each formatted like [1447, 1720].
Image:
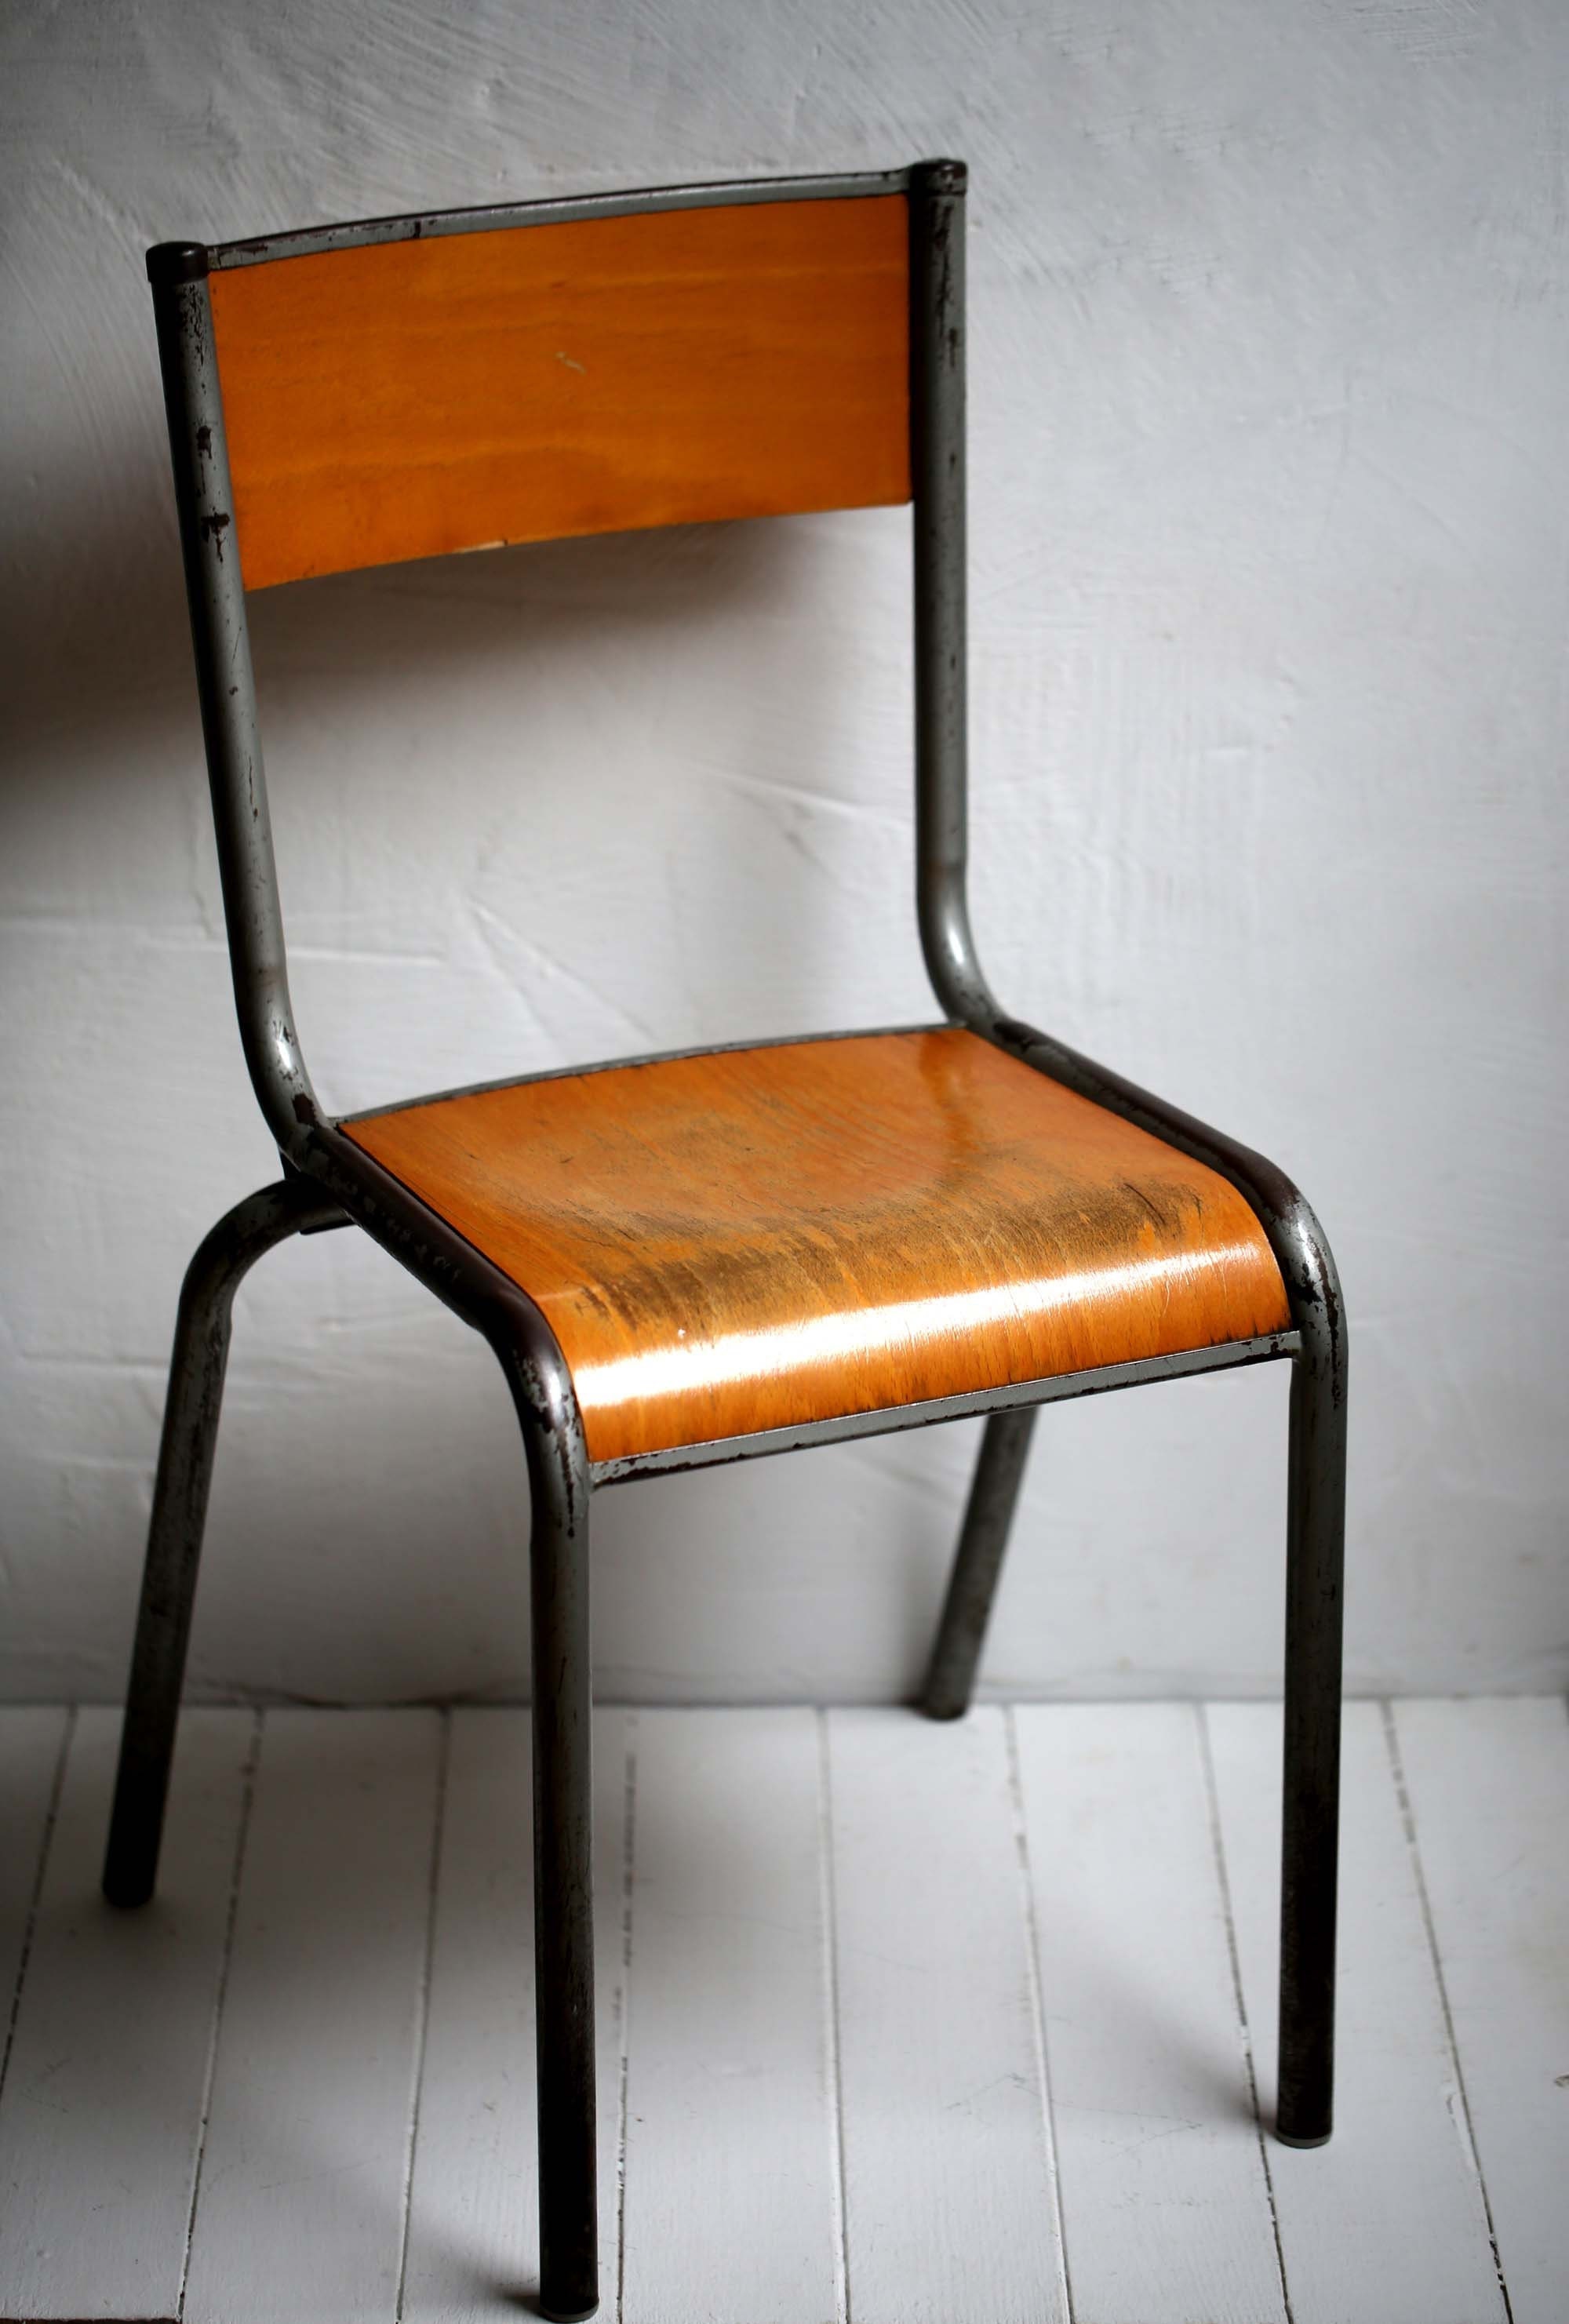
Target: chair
[703, 1257]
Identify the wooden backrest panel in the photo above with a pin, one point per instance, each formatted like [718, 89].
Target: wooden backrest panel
[404, 398]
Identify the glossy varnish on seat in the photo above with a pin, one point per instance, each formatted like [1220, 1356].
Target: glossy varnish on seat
[760, 1238]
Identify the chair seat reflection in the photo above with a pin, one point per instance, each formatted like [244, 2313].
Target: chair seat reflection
[763, 1238]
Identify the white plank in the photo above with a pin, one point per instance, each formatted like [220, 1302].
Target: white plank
[1165, 2208]
[1489, 1789]
[473, 2244]
[101, 2118]
[731, 2180]
[950, 2203]
[1386, 2225]
[32, 1741]
[299, 2206]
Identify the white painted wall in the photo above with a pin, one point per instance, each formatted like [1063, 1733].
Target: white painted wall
[1270, 580]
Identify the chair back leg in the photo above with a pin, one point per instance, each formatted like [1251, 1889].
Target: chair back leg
[179, 1499]
[950, 1678]
[1315, 1565]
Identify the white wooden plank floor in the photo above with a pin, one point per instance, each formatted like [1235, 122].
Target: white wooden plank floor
[899, 2024]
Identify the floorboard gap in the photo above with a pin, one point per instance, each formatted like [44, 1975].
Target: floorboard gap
[1408, 1822]
[831, 2021]
[247, 1794]
[1213, 1805]
[1037, 2006]
[38, 1876]
[417, 2082]
[628, 1879]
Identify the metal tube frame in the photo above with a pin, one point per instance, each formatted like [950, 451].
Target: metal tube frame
[955, 1656]
[331, 1181]
[179, 1499]
[1315, 1523]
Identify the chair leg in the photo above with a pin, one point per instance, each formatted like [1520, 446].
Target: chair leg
[563, 1850]
[950, 1678]
[179, 1499]
[1314, 1561]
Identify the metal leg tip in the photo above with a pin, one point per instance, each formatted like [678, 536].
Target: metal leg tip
[1285, 2139]
[127, 1896]
[937, 1706]
[569, 2315]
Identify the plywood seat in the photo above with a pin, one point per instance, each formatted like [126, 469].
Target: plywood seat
[761, 1238]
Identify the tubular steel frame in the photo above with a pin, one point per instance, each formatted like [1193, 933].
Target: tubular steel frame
[330, 1181]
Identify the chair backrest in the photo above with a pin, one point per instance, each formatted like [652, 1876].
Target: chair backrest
[400, 398]
[401, 387]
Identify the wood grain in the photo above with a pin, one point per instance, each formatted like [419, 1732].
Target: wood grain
[730, 2127]
[1387, 2224]
[1488, 1790]
[730, 2182]
[950, 2201]
[101, 2123]
[1165, 2205]
[299, 2211]
[415, 397]
[763, 1237]
[32, 1737]
[474, 2241]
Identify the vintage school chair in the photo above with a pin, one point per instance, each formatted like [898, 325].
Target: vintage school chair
[695, 1258]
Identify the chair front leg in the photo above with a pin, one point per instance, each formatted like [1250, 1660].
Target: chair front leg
[950, 1678]
[179, 1499]
[563, 1835]
[1315, 1565]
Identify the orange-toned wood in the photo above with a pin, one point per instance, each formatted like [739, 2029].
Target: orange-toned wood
[761, 1238]
[454, 392]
